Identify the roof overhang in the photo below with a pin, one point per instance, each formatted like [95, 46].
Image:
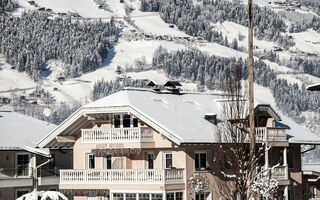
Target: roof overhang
[28, 149]
[314, 87]
[267, 108]
[79, 119]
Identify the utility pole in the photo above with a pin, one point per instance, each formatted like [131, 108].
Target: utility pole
[251, 90]
[251, 97]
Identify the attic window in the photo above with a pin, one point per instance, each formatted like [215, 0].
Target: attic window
[211, 117]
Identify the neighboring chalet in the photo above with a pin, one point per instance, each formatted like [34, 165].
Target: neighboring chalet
[311, 171]
[19, 157]
[141, 144]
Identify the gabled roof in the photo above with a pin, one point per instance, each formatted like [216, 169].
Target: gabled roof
[172, 84]
[314, 87]
[21, 132]
[181, 118]
[267, 108]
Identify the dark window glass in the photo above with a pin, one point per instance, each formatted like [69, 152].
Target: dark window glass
[21, 192]
[131, 196]
[144, 197]
[91, 161]
[117, 121]
[168, 160]
[150, 158]
[202, 196]
[23, 164]
[200, 160]
[156, 196]
[126, 121]
[179, 195]
[109, 161]
[118, 196]
[290, 158]
[135, 122]
[170, 196]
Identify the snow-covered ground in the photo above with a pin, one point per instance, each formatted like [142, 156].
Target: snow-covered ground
[233, 30]
[307, 41]
[11, 79]
[85, 8]
[151, 24]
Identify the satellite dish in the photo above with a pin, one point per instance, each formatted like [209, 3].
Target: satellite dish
[46, 112]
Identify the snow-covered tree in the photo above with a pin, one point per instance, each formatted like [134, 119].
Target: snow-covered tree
[43, 195]
[198, 183]
[264, 185]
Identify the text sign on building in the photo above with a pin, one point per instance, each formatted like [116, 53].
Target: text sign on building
[110, 146]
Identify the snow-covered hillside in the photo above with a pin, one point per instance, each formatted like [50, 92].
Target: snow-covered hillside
[141, 34]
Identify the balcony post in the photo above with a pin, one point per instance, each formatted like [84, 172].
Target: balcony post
[286, 192]
[266, 156]
[121, 120]
[285, 162]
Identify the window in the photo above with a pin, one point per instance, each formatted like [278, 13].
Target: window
[149, 157]
[200, 160]
[21, 192]
[156, 196]
[174, 195]
[23, 162]
[90, 161]
[290, 194]
[168, 160]
[144, 196]
[116, 121]
[290, 158]
[179, 195]
[126, 121]
[202, 196]
[135, 122]
[131, 196]
[170, 195]
[108, 162]
[118, 196]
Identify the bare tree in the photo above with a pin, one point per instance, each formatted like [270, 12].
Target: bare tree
[244, 175]
[234, 163]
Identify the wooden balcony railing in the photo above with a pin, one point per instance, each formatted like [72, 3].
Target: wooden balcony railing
[122, 176]
[280, 173]
[19, 172]
[270, 134]
[105, 135]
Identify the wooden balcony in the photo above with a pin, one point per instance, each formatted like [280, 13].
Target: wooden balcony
[122, 176]
[280, 173]
[270, 134]
[110, 135]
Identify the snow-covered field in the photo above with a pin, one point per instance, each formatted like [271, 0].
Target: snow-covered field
[85, 8]
[11, 79]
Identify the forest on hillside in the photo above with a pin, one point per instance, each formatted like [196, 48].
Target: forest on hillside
[29, 41]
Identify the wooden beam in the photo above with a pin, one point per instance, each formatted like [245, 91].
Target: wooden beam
[65, 139]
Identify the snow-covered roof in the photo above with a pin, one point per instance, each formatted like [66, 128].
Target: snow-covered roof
[311, 167]
[314, 87]
[179, 117]
[21, 132]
